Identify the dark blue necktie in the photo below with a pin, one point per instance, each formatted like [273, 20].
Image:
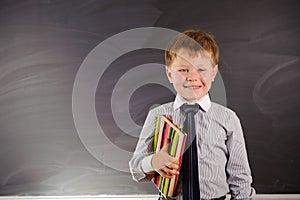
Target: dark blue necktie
[189, 170]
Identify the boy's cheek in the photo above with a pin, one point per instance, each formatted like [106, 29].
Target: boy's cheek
[176, 78]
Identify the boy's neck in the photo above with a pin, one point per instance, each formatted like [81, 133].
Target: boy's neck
[204, 102]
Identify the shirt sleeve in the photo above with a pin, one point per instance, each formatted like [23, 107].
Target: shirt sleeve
[146, 164]
[238, 169]
[140, 163]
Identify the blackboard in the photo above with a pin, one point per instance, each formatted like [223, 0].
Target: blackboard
[44, 44]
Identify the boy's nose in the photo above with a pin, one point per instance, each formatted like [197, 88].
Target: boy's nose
[192, 75]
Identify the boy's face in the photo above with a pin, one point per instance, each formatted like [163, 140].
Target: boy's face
[191, 76]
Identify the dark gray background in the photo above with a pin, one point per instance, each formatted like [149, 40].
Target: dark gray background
[43, 43]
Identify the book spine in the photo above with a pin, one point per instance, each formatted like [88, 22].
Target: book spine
[159, 145]
[160, 133]
[182, 146]
[174, 144]
[166, 187]
[156, 132]
[172, 153]
[166, 141]
[157, 180]
[166, 135]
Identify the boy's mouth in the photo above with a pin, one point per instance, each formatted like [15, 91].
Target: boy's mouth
[192, 86]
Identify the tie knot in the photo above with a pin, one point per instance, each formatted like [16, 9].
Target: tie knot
[188, 108]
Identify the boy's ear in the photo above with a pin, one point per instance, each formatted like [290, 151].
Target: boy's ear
[169, 74]
[215, 71]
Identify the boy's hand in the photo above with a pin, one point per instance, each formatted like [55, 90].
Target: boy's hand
[164, 164]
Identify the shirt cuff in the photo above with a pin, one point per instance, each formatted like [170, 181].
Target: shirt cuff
[146, 164]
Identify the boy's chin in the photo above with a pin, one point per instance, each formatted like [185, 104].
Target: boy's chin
[193, 99]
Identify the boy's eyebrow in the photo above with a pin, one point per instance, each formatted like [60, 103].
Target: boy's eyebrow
[184, 66]
[198, 66]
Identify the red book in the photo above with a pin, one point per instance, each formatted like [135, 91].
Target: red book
[166, 131]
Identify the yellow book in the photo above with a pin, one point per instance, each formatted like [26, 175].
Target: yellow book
[166, 132]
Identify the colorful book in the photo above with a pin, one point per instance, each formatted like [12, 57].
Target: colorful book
[178, 155]
[168, 133]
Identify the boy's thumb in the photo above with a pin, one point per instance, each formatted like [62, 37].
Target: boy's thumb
[165, 148]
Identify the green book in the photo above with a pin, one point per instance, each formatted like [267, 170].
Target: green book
[172, 150]
[168, 133]
[156, 132]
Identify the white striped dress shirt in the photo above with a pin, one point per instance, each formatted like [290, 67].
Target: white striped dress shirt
[222, 157]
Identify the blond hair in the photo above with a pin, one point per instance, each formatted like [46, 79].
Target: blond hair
[196, 42]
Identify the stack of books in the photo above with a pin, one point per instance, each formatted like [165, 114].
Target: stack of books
[168, 133]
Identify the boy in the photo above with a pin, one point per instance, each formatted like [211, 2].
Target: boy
[191, 66]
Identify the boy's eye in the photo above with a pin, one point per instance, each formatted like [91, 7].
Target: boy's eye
[201, 70]
[183, 70]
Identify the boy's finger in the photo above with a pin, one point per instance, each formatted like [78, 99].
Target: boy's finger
[164, 174]
[173, 160]
[171, 171]
[172, 165]
[165, 148]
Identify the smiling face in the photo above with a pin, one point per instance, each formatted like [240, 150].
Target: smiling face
[191, 76]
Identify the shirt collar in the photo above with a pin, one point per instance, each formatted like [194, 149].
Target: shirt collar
[204, 102]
